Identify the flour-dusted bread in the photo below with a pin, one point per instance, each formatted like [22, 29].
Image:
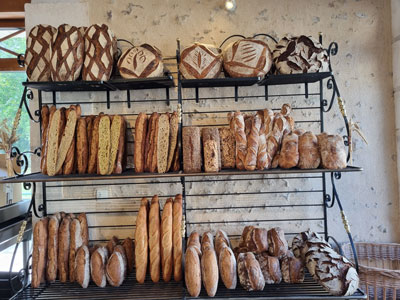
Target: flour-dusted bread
[52, 249]
[309, 154]
[56, 128]
[162, 142]
[100, 47]
[221, 240]
[120, 161]
[191, 144]
[300, 54]
[254, 239]
[154, 239]
[177, 236]
[39, 252]
[150, 164]
[141, 242]
[173, 138]
[67, 53]
[63, 248]
[119, 248]
[292, 268]
[228, 146]
[194, 241]
[38, 52]
[289, 154]
[94, 146]
[247, 58]
[98, 262]
[333, 152]
[75, 242]
[166, 241]
[103, 154]
[270, 268]
[250, 275]
[82, 266]
[82, 148]
[209, 270]
[141, 62]
[117, 131]
[111, 244]
[192, 272]
[277, 244]
[140, 142]
[115, 269]
[207, 240]
[227, 267]
[200, 61]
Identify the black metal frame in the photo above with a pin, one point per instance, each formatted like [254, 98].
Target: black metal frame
[309, 287]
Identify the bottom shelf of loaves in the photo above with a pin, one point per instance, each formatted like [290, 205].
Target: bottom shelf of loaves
[130, 289]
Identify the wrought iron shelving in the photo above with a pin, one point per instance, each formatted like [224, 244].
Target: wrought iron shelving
[130, 289]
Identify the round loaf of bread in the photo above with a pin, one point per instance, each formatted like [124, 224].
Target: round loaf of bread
[200, 61]
[247, 58]
[142, 61]
[300, 54]
[38, 52]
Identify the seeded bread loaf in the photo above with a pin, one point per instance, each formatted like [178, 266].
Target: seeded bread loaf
[227, 148]
[191, 150]
[162, 142]
[117, 132]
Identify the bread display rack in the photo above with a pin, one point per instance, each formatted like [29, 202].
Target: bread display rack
[202, 211]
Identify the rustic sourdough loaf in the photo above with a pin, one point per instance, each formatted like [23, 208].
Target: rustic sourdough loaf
[173, 138]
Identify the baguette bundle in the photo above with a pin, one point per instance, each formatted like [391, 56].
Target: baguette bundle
[73, 144]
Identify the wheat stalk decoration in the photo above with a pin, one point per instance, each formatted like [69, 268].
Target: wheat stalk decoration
[9, 137]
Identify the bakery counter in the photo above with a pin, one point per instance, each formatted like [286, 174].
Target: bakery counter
[130, 289]
[131, 174]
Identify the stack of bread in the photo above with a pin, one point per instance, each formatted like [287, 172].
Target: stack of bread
[332, 270]
[61, 251]
[75, 144]
[158, 240]
[209, 261]
[156, 143]
[260, 141]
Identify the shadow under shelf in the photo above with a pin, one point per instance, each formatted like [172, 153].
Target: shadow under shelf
[131, 174]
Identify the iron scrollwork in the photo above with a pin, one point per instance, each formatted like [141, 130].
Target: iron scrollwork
[22, 159]
[28, 94]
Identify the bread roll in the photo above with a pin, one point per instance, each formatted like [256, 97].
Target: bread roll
[292, 269]
[154, 239]
[84, 229]
[94, 146]
[162, 142]
[39, 253]
[82, 150]
[252, 143]
[117, 131]
[142, 61]
[82, 269]
[166, 241]
[227, 267]
[191, 150]
[150, 148]
[309, 155]
[63, 249]
[227, 148]
[38, 53]
[52, 249]
[192, 272]
[140, 142]
[289, 154]
[194, 241]
[115, 269]
[200, 61]
[98, 263]
[250, 275]
[67, 53]
[333, 153]
[277, 244]
[209, 270]
[173, 138]
[141, 242]
[129, 252]
[103, 155]
[177, 236]
[75, 243]
[112, 243]
[270, 268]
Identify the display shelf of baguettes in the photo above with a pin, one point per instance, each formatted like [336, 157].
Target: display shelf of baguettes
[282, 79]
[130, 289]
[110, 85]
[131, 174]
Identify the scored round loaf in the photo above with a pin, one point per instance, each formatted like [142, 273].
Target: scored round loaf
[247, 58]
[192, 272]
[67, 53]
[121, 249]
[200, 61]
[277, 244]
[38, 52]
[254, 239]
[82, 268]
[100, 47]
[98, 263]
[227, 267]
[300, 54]
[142, 61]
[270, 268]
[250, 275]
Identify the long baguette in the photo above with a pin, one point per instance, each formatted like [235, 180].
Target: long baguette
[154, 239]
[94, 145]
[82, 151]
[140, 142]
[121, 155]
[252, 143]
[141, 242]
[103, 155]
[173, 138]
[177, 236]
[54, 137]
[166, 241]
[45, 115]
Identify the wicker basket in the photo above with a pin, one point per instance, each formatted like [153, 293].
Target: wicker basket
[379, 268]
